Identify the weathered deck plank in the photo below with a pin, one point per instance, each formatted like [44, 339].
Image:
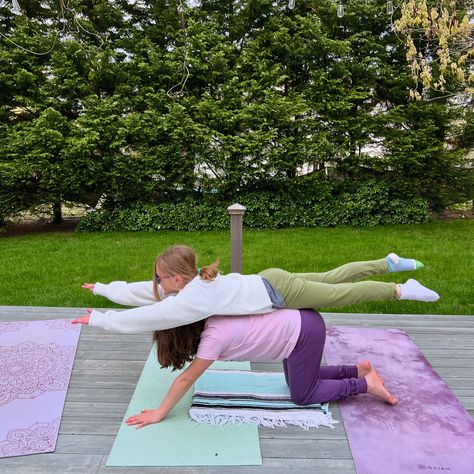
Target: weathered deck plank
[107, 368]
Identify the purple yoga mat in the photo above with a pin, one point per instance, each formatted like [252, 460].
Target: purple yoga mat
[427, 431]
[36, 359]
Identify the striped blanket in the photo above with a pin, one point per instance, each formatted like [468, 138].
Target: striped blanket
[240, 396]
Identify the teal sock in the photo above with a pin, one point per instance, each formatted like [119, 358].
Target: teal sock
[399, 264]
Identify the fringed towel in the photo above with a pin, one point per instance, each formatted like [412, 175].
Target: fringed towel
[240, 396]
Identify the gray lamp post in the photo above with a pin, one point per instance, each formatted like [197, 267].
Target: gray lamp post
[236, 212]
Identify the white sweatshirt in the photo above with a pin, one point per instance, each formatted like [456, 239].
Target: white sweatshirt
[139, 293]
[232, 294]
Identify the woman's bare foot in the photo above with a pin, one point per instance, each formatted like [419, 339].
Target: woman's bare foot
[376, 388]
[365, 367]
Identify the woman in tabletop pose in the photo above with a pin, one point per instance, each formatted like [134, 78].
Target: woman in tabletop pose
[182, 294]
[294, 337]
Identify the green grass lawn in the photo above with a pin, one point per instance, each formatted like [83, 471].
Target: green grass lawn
[48, 269]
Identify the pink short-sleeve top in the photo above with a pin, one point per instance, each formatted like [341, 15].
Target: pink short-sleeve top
[259, 337]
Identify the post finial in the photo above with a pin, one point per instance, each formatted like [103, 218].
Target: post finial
[236, 209]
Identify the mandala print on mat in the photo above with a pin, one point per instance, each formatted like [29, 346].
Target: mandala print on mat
[12, 326]
[29, 369]
[63, 325]
[38, 438]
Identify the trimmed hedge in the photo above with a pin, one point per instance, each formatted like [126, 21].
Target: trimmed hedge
[368, 205]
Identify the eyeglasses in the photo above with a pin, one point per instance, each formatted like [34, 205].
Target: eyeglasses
[158, 278]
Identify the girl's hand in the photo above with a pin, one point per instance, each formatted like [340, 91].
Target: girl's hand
[145, 417]
[88, 286]
[83, 319]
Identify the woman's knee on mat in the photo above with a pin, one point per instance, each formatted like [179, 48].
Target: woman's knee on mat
[303, 395]
[299, 399]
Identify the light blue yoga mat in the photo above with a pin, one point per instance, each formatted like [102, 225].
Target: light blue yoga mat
[177, 440]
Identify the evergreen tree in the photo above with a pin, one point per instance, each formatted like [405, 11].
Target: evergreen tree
[154, 101]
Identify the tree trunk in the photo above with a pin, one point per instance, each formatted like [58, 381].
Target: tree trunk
[57, 213]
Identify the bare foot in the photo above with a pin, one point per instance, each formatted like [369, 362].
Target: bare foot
[365, 367]
[376, 388]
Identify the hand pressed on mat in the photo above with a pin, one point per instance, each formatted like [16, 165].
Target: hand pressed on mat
[178, 388]
[145, 417]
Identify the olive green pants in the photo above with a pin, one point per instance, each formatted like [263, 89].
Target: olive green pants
[333, 288]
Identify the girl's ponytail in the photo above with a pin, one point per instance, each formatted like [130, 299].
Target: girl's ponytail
[209, 272]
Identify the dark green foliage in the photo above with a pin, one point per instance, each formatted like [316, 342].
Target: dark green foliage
[368, 204]
[127, 106]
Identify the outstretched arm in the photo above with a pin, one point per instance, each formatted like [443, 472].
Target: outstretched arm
[139, 293]
[176, 392]
[170, 313]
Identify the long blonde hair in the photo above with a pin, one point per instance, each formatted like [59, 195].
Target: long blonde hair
[182, 260]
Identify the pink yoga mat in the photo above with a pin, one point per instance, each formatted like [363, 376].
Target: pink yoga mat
[36, 359]
[427, 431]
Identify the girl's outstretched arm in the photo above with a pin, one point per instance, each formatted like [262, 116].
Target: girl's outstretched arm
[139, 293]
[176, 392]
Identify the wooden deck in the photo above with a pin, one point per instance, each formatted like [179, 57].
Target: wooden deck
[107, 368]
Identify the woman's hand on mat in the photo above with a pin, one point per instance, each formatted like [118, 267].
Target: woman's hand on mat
[145, 417]
[83, 319]
[88, 286]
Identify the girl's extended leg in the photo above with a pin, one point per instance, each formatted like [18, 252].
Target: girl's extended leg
[357, 270]
[300, 293]
[303, 371]
[348, 272]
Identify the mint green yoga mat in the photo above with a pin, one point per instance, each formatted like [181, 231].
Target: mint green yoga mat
[177, 440]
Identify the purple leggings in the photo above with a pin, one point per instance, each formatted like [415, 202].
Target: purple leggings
[307, 380]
